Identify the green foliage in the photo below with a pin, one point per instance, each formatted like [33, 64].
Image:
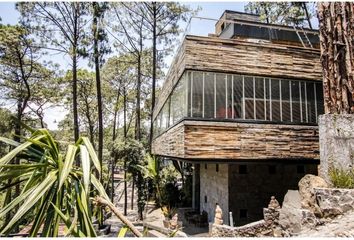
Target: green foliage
[287, 13]
[55, 189]
[6, 127]
[133, 152]
[342, 178]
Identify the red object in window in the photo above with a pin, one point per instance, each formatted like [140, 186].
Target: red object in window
[221, 113]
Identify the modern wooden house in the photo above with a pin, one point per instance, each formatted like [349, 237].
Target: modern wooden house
[241, 105]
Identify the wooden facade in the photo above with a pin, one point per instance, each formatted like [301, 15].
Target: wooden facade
[241, 57]
[205, 140]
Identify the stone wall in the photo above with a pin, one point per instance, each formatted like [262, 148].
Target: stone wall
[214, 189]
[267, 227]
[255, 229]
[336, 134]
[251, 191]
[334, 201]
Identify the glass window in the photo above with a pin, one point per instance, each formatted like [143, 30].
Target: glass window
[238, 96]
[197, 98]
[267, 94]
[229, 96]
[165, 116]
[209, 98]
[303, 102]
[177, 99]
[249, 97]
[221, 108]
[189, 93]
[259, 90]
[311, 105]
[285, 100]
[295, 100]
[275, 102]
[217, 95]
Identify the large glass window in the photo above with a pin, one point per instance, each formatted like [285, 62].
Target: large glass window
[209, 95]
[231, 96]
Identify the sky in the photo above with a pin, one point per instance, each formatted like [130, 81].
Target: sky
[212, 10]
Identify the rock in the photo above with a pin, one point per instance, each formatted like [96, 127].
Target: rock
[333, 202]
[290, 214]
[307, 193]
[277, 232]
[292, 199]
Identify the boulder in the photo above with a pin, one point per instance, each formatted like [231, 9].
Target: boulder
[293, 219]
[290, 214]
[307, 193]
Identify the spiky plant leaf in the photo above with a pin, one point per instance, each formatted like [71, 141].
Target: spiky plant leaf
[53, 188]
[35, 195]
[92, 153]
[85, 162]
[8, 157]
[68, 164]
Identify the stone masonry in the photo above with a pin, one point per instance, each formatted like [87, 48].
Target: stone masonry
[214, 189]
[267, 227]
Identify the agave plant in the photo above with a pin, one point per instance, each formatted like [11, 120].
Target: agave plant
[53, 188]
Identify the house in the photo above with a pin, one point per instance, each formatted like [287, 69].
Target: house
[241, 105]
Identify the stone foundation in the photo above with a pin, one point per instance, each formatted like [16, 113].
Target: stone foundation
[336, 132]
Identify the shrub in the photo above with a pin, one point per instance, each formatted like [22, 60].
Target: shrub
[342, 178]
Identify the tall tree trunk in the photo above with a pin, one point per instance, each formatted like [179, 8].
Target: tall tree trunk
[114, 158]
[125, 161]
[98, 83]
[132, 198]
[154, 50]
[74, 85]
[336, 35]
[138, 90]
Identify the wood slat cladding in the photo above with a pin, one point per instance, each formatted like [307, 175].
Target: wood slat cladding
[265, 59]
[233, 141]
[241, 57]
[170, 143]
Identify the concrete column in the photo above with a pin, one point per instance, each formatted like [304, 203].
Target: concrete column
[336, 133]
